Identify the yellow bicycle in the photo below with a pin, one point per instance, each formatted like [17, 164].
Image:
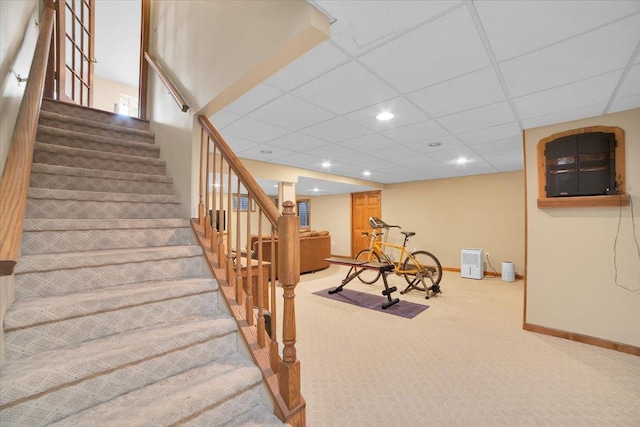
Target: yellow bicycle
[421, 269]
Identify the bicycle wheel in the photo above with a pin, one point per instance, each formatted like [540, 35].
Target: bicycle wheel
[368, 276]
[422, 268]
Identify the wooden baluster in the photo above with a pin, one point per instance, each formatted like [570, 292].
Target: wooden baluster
[261, 323]
[223, 227]
[248, 301]
[288, 276]
[274, 349]
[239, 285]
[230, 273]
[203, 179]
[207, 216]
[214, 230]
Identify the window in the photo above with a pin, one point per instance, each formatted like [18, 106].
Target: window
[304, 212]
[244, 203]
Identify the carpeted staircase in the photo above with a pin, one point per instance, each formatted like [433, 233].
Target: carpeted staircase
[115, 321]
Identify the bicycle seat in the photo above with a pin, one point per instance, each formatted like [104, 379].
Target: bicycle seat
[408, 233]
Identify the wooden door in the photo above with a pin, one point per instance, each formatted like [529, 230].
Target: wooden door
[74, 51]
[363, 205]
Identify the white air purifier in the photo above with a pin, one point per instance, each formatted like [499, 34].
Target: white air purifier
[472, 264]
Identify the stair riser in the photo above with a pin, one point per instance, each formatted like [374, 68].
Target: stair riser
[65, 182]
[228, 411]
[55, 335]
[72, 141]
[94, 115]
[42, 242]
[56, 405]
[63, 159]
[109, 133]
[60, 209]
[61, 282]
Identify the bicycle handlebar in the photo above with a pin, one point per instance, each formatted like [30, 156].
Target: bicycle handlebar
[376, 222]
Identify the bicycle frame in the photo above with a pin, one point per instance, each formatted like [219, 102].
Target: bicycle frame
[378, 247]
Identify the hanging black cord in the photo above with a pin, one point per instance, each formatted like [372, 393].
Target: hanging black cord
[615, 242]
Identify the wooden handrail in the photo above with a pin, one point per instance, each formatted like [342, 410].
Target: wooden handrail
[15, 177]
[173, 90]
[268, 208]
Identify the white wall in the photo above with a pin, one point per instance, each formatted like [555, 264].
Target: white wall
[18, 36]
[215, 52]
[571, 275]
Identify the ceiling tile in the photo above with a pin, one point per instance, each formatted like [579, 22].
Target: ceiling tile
[331, 152]
[291, 113]
[347, 88]
[253, 130]
[476, 168]
[361, 25]
[297, 142]
[394, 152]
[517, 27]
[448, 142]
[266, 153]
[319, 60]
[565, 116]
[335, 130]
[253, 99]
[490, 134]
[501, 145]
[417, 161]
[631, 84]
[301, 159]
[367, 143]
[626, 103]
[238, 145]
[449, 157]
[416, 132]
[462, 93]
[223, 118]
[357, 160]
[404, 114]
[597, 52]
[478, 118]
[568, 97]
[445, 48]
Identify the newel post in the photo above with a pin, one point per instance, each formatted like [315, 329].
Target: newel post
[289, 276]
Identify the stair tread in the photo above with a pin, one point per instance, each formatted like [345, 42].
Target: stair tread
[71, 134]
[42, 371]
[78, 195]
[84, 259]
[98, 173]
[90, 123]
[35, 310]
[47, 224]
[93, 114]
[175, 398]
[73, 151]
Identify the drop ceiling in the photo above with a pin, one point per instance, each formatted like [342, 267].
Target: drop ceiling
[463, 79]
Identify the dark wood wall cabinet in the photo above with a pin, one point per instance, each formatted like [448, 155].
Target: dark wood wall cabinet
[582, 168]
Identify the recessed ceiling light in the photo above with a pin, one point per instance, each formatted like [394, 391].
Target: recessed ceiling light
[435, 144]
[366, 173]
[326, 164]
[316, 189]
[385, 115]
[266, 151]
[462, 161]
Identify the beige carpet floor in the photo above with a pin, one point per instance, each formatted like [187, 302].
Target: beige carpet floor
[465, 361]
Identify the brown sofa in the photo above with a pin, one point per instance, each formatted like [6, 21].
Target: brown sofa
[315, 246]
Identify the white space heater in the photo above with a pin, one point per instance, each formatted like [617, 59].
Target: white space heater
[471, 265]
